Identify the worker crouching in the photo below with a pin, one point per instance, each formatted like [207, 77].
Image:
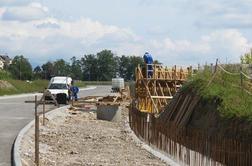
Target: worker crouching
[74, 90]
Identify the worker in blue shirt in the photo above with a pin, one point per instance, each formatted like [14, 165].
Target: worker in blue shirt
[74, 91]
[149, 61]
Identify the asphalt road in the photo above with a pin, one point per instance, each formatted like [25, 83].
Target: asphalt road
[15, 114]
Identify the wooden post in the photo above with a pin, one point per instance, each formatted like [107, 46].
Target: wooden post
[216, 66]
[175, 68]
[175, 79]
[250, 71]
[153, 71]
[241, 78]
[43, 112]
[36, 134]
[212, 69]
[146, 71]
[190, 71]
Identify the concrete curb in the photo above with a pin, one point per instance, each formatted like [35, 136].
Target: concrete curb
[150, 149]
[16, 155]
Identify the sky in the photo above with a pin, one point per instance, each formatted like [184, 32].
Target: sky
[182, 32]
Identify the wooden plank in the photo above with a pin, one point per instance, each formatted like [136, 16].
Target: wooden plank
[169, 89]
[162, 92]
[155, 107]
[155, 93]
[162, 97]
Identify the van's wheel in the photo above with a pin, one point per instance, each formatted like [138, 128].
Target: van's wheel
[61, 98]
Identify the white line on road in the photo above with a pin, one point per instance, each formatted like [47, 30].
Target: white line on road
[4, 164]
[19, 96]
[13, 118]
[11, 103]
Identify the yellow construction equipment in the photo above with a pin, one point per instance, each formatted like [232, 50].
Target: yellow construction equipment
[156, 85]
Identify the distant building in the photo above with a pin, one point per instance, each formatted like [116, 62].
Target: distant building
[1, 63]
[5, 60]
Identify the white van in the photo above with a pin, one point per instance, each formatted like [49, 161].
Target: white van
[59, 87]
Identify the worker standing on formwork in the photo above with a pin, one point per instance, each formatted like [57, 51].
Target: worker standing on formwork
[149, 62]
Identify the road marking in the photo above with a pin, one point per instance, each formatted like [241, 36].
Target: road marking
[14, 118]
[4, 164]
[6, 135]
[11, 103]
[20, 96]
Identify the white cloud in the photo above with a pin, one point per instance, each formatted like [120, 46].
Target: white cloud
[223, 13]
[64, 39]
[33, 11]
[228, 42]
[7, 1]
[223, 44]
[50, 37]
[2, 10]
[13, 2]
[30, 31]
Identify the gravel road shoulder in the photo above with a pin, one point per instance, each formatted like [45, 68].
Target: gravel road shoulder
[77, 138]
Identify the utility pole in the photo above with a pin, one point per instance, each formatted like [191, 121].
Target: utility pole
[19, 69]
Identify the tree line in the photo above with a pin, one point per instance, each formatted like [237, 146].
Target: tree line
[102, 66]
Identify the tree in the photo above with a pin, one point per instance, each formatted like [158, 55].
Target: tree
[21, 68]
[124, 67]
[127, 65]
[157, 62]
[89, 67]
[134, 62]
[61, 68]
[76, 72]
[47, 70]
[247, 58]
[37, 72]
[106, 65]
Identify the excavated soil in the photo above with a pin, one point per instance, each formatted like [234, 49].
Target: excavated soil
[5, 85]
[75, 138]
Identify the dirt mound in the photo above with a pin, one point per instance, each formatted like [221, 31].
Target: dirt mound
[5, 85]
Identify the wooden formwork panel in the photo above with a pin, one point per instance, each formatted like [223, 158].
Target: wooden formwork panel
[154, 92]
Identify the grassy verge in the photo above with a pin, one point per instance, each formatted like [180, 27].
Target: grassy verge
[80, 84]
[38, 85]
[4, 75]
[97, 82]
[235, 102]
[24, 87]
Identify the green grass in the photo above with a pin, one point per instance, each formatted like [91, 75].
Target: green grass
[80, 84]
[24, 87]
[37, 85]
[4, 75]
[235, 102]
[97, 82]
[28, 87]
